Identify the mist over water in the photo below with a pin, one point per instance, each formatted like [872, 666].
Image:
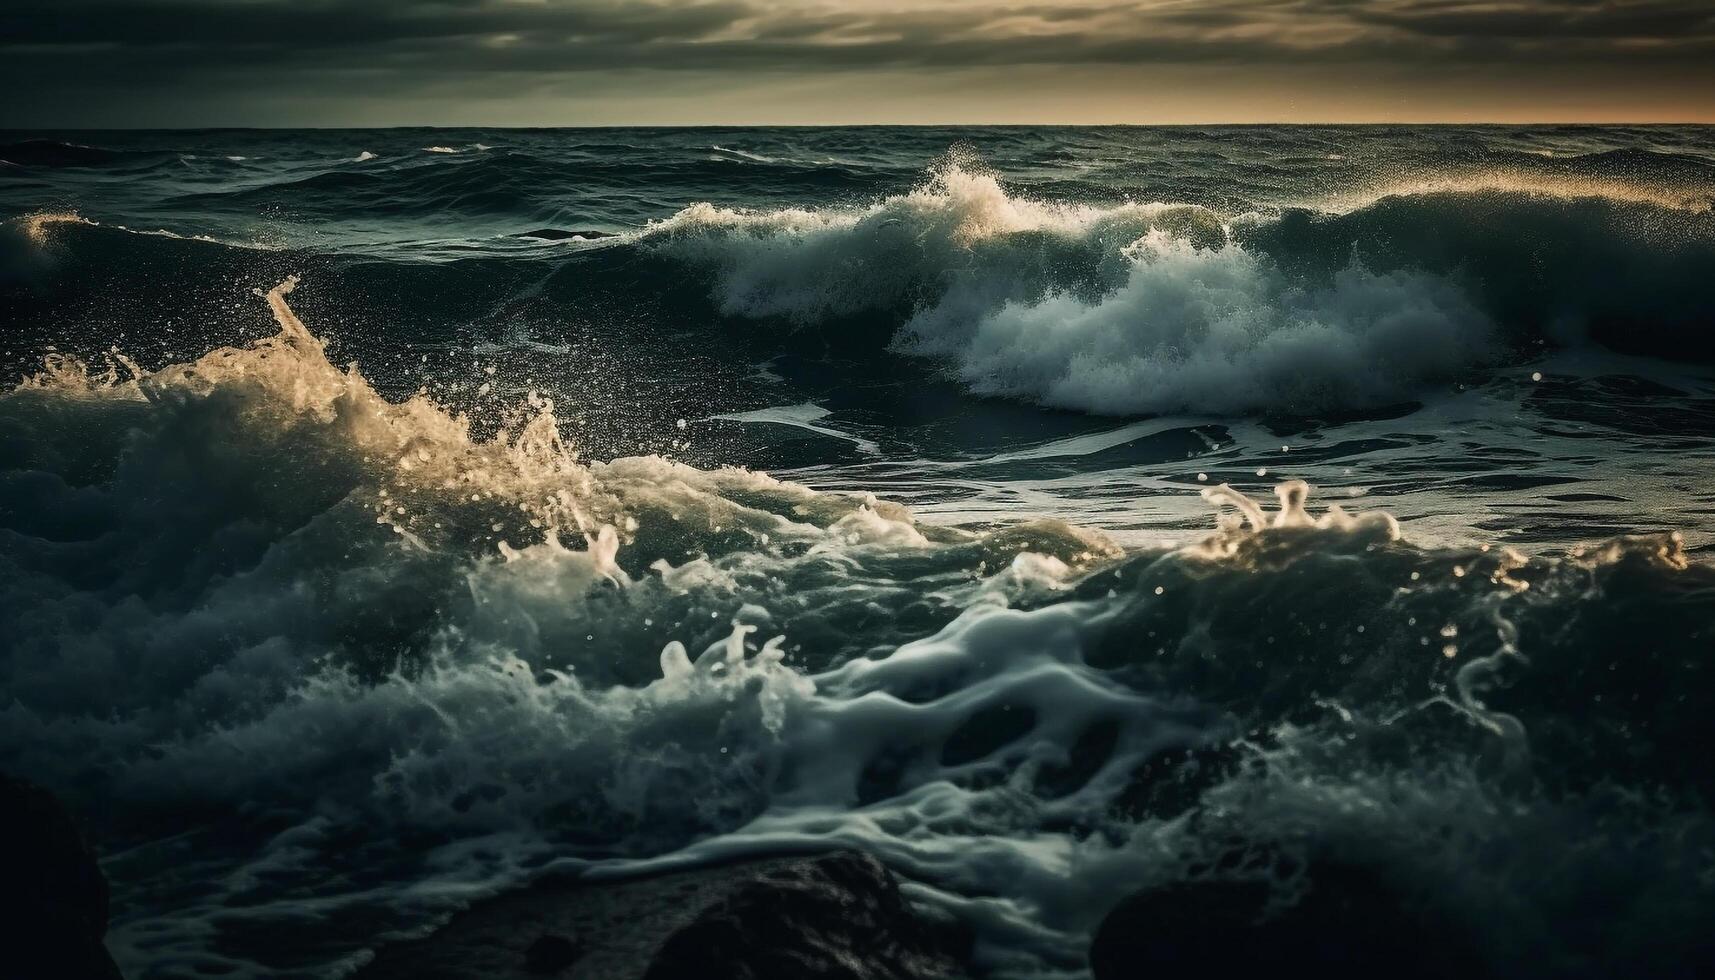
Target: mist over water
[389, 517]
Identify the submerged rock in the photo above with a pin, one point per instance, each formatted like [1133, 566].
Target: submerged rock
[837, 916]
[55, 896]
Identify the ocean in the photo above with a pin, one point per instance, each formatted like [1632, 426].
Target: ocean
[391, 517]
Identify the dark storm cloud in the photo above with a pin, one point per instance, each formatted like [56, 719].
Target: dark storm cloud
[561, 35]
[1669, 20]
[67, 49]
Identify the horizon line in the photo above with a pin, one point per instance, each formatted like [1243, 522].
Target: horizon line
[873, 125]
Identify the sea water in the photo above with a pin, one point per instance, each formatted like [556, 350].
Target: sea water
[390, 517]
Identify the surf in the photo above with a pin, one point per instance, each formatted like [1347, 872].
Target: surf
[290, 603]
[1150, 308]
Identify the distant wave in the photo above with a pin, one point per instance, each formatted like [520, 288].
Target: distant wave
[1162, 307]
[471, 180]
[38, 230]
[1380, 297]
[56, 154]
[1666, 179]
[742, 154]
[35, 226]
[1561, 267]
[53, 153]
[1571, 183]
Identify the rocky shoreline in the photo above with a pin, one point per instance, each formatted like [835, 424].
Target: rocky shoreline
[55, 895]
[837, 915]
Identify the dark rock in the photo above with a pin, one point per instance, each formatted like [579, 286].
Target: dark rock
[551, 954]
[55, 911]
[838, 916]
[1350, 923]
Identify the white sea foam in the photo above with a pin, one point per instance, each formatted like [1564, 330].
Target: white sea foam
[38, 228]
[1564, 187]
[249, 589]
[801, 417]
[1216, 331]
[1136, 308]
[272, 667]
[960, 232]
[742, 154]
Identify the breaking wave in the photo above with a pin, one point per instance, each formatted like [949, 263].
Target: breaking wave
[1162, 307]
[247, 591]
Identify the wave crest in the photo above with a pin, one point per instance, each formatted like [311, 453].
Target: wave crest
[959, 239]
[248, 593]
[1162, 307]
[1216, 330]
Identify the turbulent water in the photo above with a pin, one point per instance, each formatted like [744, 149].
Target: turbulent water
[387, 517]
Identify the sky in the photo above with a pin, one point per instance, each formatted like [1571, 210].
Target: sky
[99, 63]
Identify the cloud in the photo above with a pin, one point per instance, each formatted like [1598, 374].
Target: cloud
[60, 46]
[569, 35]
